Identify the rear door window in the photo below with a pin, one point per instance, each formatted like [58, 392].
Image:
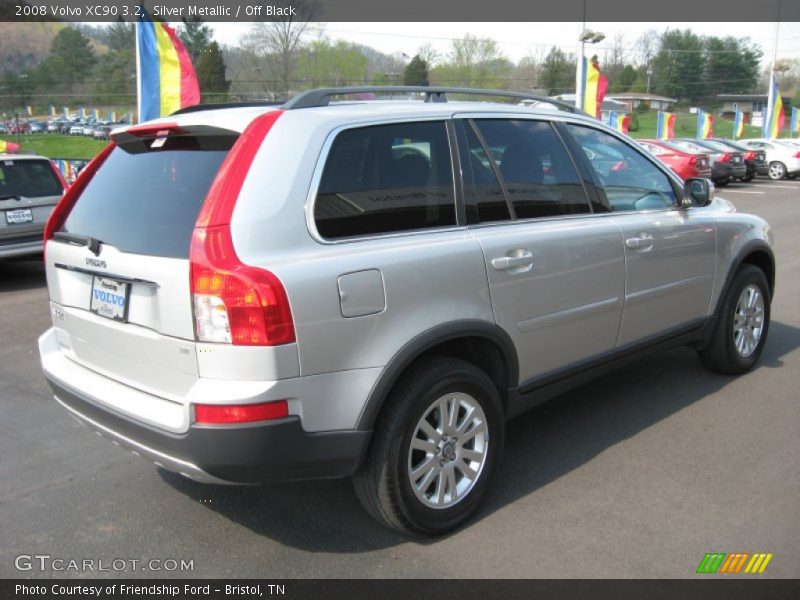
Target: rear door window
[386, 178]
[28, 178]
[145, 197]
[539, 176]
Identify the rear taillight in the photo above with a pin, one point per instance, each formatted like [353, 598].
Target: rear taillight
[797, 154]
[235, 303]
[73, 192]
[692, 160]
[244, 413]
[749, 155]
[725, 158]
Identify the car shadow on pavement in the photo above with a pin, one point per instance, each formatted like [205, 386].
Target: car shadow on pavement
[18, 274]
[541, 446]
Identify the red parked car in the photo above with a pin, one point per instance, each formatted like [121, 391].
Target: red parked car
[685, 164]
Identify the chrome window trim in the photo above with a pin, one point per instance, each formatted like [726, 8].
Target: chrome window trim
[316, 178]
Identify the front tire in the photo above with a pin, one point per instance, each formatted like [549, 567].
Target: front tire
[777, 170]
[435, 448]
[742, 324]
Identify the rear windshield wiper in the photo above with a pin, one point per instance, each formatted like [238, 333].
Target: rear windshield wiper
[82, 240]
[10, 197]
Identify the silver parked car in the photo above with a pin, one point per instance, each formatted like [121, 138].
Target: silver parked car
[30, 187]
[371, 289]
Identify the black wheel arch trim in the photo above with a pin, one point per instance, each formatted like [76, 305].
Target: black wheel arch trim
[423, 342]
[748, 249]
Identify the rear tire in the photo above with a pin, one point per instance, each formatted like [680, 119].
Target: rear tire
[742, 324]
[777, 170]
[438, 484]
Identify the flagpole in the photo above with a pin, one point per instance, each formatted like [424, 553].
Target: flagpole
[138, 74]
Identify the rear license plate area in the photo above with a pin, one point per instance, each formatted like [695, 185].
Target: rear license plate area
[110, 298]
[19, 216]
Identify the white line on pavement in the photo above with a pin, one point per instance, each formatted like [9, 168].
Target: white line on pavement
[788, 185]
[739, 192]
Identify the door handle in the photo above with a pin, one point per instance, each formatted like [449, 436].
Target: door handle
[644, 241]
[524, 258]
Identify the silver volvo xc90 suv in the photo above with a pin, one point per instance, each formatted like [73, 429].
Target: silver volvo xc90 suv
[323, 289]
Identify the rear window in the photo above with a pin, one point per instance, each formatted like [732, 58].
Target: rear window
[386, 178]
[29, 178]
[145, 197]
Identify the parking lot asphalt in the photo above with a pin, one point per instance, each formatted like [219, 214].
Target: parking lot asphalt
[637, 474]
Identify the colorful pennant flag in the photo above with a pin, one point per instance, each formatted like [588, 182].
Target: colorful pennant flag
[619, 121]
[794, 126]
[594, 87]
[705, 125]
[8, 147]
[29, 110]
[52, 111]
[665, 125]
[66, 112]
[166, 78]
[774, 119]
[112, 116]
[738, 124]
[96, 114]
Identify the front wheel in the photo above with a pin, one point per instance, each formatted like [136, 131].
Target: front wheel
[742, 324]
[435, 448]
[777, 170]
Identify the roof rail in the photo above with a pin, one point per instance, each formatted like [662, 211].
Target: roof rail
[322, 96]
[203, 107]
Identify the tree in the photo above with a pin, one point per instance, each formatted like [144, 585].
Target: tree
[66, 68]
[625, 81]
[277, 45]
[615, 58]
[645, 48]
[558, 72]
[473, 62]
[332, 64]
[116, 69]
[196, 36]
[211, 75]
[679, 66]
[731, 64]
[416, 72]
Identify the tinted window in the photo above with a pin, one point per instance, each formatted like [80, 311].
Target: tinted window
[538, 174]
[30, 178]
[145, 198]
[386, 178]
[630, 181]
[484, 196]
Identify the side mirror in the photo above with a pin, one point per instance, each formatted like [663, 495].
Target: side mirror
[697, 191]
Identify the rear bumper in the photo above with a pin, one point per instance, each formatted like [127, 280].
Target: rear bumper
[721, 171]
[762, 168]
[249, 453]
[739, 170]
[26, 247]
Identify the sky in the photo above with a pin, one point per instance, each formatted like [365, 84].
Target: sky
[517, 40]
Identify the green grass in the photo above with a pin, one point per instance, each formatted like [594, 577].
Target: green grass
[686, 126]
[54, 145]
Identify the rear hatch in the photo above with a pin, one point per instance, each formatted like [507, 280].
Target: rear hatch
[118, 268]
[29, 189]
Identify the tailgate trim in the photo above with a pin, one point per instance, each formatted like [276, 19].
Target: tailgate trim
[121, 278]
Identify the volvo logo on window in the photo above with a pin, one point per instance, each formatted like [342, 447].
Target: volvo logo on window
[94, 262]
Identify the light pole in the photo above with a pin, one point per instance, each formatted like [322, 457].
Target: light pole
[587, 37]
